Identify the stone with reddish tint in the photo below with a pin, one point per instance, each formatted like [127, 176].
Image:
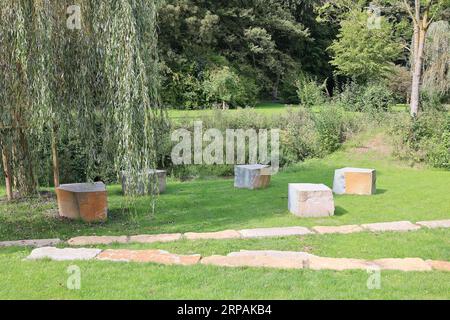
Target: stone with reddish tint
[226, 234]
[94, 240]
[274, 232]
[432, 224]
[337, 229]
[338, 264]
[354, 181]
[254, 261]
[63, 254]
[404, 264]
[149, 238]
[154, 256]
[439, 265]
[391, 226]
[310, 200]
[31, 243]
[85, 201]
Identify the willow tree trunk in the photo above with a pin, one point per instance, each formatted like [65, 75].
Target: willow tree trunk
[6, 170]
[55, 157]
[417, 71]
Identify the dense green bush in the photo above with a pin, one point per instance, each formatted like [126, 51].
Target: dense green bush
[371, 97]
[309, 92]
[425, 139]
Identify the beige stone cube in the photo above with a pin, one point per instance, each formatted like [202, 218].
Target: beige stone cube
[310, 200]
[354, 181]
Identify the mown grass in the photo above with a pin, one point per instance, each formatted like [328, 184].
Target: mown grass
[104, 280]
[404, 193]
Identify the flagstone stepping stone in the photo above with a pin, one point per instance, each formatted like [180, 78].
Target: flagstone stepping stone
[339, 264]
[272, 253]
[226, 234]
[149, 238]
[31, 243]
[439, 265]
[93, 240]
[274, 232]
[252, 176]
[159, 187]
[310, 200]
[405, 264]
[391, 226]
[337, 229]
[435, 224]
[354, 181]
[155, 256]
[86, 201]
[63, 254]
[253, 261]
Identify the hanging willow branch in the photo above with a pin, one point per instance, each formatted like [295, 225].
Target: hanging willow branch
[100, 82]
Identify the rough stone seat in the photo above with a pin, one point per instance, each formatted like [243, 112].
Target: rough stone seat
[86, 201]
[354, 181]
[252, 176]
[310, 200]
[159, 188]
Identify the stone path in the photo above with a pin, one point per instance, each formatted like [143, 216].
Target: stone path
[395, 226]
[243, 258]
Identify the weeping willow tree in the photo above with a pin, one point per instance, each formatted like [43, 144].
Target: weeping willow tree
[99, 82]
[436, 75]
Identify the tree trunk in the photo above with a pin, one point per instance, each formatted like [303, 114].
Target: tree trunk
[275, 88]
[55, 157]
[417, 72]
[6, 170]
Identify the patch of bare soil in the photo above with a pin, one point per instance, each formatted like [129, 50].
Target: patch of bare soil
[378, 144]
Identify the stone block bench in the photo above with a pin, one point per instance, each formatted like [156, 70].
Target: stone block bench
[152, 174]
[86, 201]
[310, 200]
[354, 181]
[252, 176]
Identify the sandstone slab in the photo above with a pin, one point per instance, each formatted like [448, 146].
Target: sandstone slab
[272, 253]
[337, 229]
[391, 226]
[254, 261]
[31, 243]
[274, 232]
[338, 264]
[252, 176]
[155, 180]
[94, 240]
[404, 264]
[310, 200]
[63, 254]
[439, 265]
[86, 201]
[354, 181]
[226, 234]
[151, 238]
[432, 224]
[154, 256]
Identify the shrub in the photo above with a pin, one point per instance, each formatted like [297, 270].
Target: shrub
[425, 139]
[310, 92]
[371, 97]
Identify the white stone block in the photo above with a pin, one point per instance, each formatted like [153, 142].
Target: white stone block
[310, 200]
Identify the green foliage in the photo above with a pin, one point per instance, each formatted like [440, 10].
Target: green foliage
[221, 86]
[364, 53]
[371, 97]
[309, 92]
[425, 139]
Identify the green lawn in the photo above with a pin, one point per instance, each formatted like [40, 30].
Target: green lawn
[404, 193]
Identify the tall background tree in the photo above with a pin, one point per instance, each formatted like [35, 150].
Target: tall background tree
[99, 83]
